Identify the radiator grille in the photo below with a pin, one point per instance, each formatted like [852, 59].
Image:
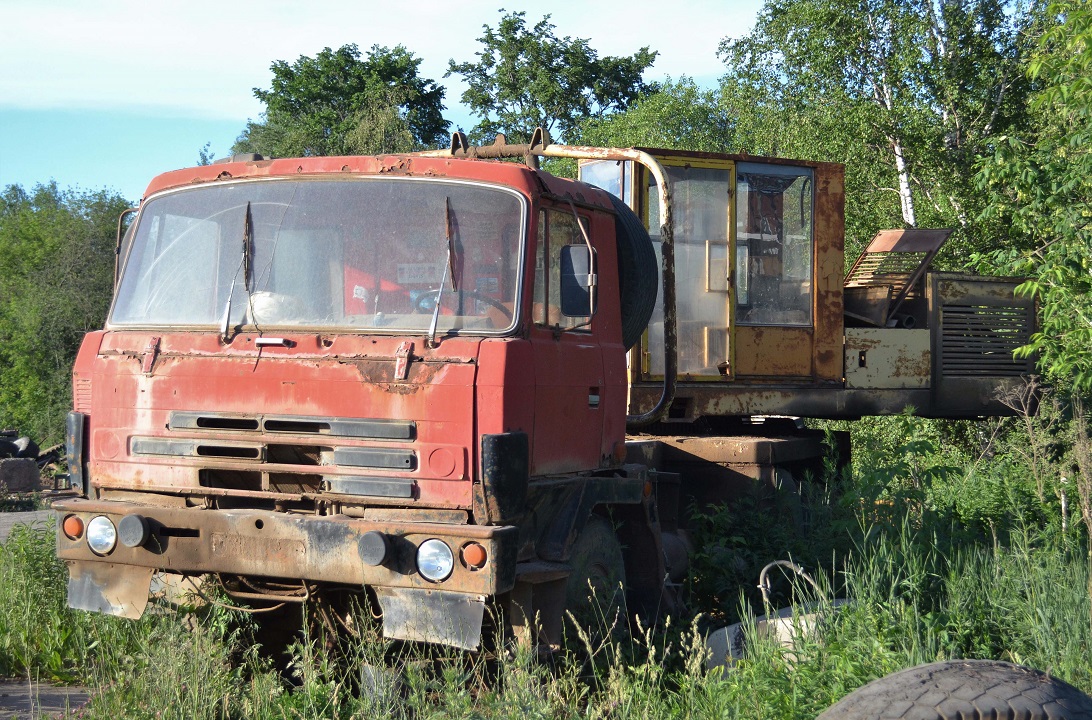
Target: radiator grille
[81, 394]
[979, 340]
[885, 269]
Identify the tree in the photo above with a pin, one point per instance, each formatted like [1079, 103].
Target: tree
[56, 281]
[1039, 186]
[205, 156]
[527, 78]
[926, 84]
[339, 104]
[678, 114]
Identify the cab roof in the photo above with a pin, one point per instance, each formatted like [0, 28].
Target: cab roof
[527, 180]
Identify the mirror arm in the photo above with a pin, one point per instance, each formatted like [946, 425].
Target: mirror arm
[117, 244]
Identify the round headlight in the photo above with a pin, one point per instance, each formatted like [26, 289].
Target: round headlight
[102, 536]
[435, 560]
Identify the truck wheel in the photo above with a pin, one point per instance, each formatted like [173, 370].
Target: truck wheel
[967, 690]
[638, 274]
[598, 575]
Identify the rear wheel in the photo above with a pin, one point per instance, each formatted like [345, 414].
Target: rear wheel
[594, 591]
[964, 690]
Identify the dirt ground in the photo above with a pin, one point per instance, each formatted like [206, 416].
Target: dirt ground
[30, 700]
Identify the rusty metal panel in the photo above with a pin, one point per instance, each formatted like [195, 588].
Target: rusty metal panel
[722, 469]
[781, 352]
[896, 259]
[888, 358]
[908, 240]
[748, 450]
[102, 587]
[977, 323]
[808, 400]
[434, 616]
[512, 175]
[320, 401]
[829, 265]
[282, 545]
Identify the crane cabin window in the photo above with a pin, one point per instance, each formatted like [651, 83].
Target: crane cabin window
[774, 245]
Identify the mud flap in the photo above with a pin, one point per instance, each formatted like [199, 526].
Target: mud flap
[120, 590]
[435, 616]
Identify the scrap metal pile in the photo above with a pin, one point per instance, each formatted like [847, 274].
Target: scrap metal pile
[21, 461]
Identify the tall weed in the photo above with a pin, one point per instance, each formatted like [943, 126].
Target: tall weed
[39, 636]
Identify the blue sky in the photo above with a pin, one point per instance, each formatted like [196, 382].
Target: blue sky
[108, 94]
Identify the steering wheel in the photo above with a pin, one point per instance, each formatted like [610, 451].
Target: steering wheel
[420, 307]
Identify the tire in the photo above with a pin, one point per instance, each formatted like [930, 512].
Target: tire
[965, 690]
[27, 448]
[8, 449]
[638, 272]
[598, 573]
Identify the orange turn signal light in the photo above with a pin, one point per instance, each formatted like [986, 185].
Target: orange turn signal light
[474, 555]
[72, 527]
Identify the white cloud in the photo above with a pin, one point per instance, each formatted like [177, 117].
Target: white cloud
[202, 57]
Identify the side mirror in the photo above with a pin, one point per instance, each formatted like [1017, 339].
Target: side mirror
[578, 281]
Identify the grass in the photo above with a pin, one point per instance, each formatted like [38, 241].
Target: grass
[939, 564]
[22, 502]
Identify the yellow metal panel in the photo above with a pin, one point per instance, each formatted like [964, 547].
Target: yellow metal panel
[773, 352]
[887, 358]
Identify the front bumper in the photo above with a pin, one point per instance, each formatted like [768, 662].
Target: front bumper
[260, 543]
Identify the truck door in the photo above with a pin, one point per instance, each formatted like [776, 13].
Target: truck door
[701, 192]
[569, 382]
[774, 278]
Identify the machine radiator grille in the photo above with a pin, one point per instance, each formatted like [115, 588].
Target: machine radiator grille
[81, 394]
[979, 340]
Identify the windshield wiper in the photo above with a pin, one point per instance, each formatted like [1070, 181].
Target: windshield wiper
[244, 263]
[449, 271]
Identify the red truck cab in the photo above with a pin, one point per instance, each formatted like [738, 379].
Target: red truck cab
[344, 371]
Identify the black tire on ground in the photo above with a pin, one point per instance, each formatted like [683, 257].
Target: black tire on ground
[8, 449]
[638, 273]
[598, 576]
[964, 690]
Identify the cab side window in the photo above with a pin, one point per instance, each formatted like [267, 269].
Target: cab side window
[555, 230]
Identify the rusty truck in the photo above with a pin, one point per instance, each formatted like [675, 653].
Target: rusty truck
[455, 387]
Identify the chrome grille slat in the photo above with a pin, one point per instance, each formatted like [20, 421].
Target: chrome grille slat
[363, 428]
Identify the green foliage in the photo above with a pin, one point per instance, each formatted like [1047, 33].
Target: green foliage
[39, 636]
[924, 585]
[906, 94]
[678, 114]
[528, 77]
[339, 104]
[56, 281]
[205, 156]
[1039, 185]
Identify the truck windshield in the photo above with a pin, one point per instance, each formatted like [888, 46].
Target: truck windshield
[362, 254]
